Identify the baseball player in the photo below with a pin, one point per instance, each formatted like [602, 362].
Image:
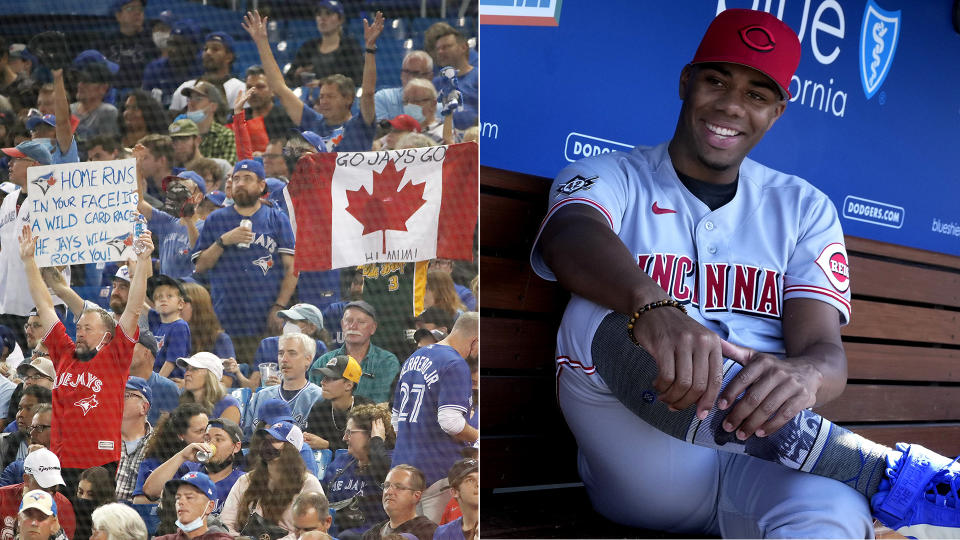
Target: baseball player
[686, 253]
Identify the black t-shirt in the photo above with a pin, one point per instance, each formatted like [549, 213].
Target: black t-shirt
[712, 195]
[326, 422]
[347, 59]
[132, 53]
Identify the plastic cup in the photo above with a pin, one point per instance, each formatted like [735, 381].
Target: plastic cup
[268, 370]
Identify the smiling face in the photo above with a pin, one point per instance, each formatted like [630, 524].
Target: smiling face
[727, 109]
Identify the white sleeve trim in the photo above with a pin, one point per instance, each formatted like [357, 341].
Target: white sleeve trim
[451, 420]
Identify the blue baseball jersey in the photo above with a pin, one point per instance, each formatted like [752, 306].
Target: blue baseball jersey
[245, 281]
[173, 341]
[300, 405]
[733, 267]
[175, 246]
[357, 134]
[434, 378]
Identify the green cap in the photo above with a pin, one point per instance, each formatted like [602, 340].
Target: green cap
[184, 127]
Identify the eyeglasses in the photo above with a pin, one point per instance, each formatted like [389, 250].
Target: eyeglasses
[348, 432]
[388, 485]
[39, 427]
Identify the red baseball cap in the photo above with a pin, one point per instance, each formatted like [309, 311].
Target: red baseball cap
[755, 39]
[405, 122]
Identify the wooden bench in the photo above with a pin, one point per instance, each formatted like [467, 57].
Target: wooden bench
[903, 350]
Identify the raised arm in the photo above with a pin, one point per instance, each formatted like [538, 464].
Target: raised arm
[38, 289]
[140, 152]
[256, 26]
[61, 110]
[240, 131]
[369, 85]
[54, 279]
[590, 260]
[138, 287]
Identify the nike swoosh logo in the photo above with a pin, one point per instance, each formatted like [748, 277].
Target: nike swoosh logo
[657, 210]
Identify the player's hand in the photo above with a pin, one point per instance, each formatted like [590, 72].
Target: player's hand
[377, 429]
[28, 243]
[256, 26]
[774, 391]
[238, 235]
[689, 361]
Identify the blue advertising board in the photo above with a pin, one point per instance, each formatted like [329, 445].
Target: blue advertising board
[874, 121]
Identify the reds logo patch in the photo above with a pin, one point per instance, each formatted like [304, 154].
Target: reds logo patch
[575, 184]
[833, 262]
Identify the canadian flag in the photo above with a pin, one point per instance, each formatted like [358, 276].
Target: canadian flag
[353, 208]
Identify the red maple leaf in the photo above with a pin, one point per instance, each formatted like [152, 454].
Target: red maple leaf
[389, 207]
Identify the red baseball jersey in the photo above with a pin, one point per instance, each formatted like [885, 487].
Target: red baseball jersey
[10, 498]
[88, 399]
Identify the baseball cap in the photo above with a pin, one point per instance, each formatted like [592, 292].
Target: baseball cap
[203, 360]
[217, 198]
[161, 279]
[123, 272]
[342, 366]
[423, 332]
[34, 121]
[21, 52]
[8, 187]
[95, 73]
[286, 430]
[140, 385]
[315, 140]
[32, 149]
[404, 122]
[184, 127]
[197, 179]
[461, 469]
[333, 5]
[44, 466]
[755, 39]
[7, 338]
[166, 17]
[228, 425]
[41, 363]
[363, 306]
[185, 28]
[39, 499]
[274, 410]
[250, 165]
[196, 479]
[148, 340]
[92, 56]
[303, 312]
[117, 5]
[274, 184]
[221, 37]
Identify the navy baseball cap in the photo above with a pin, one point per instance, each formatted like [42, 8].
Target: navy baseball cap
[36, 150]
[217, 198]
[148, 340]
[274, 410]
[186, 28]
[333, 5]
[197, 179]
[315, 140]
[92, 56]
[7, 338]
[198, 480]
[117, 5]
[221, 37]
[140, 385]
[250, 165]
[161, 279]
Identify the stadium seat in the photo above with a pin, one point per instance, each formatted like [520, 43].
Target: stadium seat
[243, 396]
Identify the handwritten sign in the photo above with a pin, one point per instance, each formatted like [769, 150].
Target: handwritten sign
[83, 212]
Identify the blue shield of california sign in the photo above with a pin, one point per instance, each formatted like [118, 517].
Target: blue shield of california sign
[878, 43]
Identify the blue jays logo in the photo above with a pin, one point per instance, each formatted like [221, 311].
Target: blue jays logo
[87, 403]
[878, 43]
[121, 242]
[44, 182]
[264, 263]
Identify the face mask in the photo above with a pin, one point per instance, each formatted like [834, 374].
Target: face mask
[228, 201]
[415, 111]
[192, 526]
[290, 328]
[268, 453]
[160, 39]
[87, 356]
[214, 468]
[196, 116]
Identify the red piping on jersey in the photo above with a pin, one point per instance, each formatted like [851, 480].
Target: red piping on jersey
[818, 290]
[566, 360]
[557, 206]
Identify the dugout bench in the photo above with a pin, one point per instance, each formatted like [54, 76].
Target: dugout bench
[903, 352]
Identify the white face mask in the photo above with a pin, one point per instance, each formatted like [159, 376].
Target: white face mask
[192, 526]
[160, 39]
[290, 328]
[416, 111]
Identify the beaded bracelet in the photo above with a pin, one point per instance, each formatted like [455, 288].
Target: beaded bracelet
[652, 305]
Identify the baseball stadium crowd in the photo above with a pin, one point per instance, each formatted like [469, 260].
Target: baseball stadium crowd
[204, 388]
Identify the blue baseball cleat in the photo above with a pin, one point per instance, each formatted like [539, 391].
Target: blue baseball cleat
[918, 496]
